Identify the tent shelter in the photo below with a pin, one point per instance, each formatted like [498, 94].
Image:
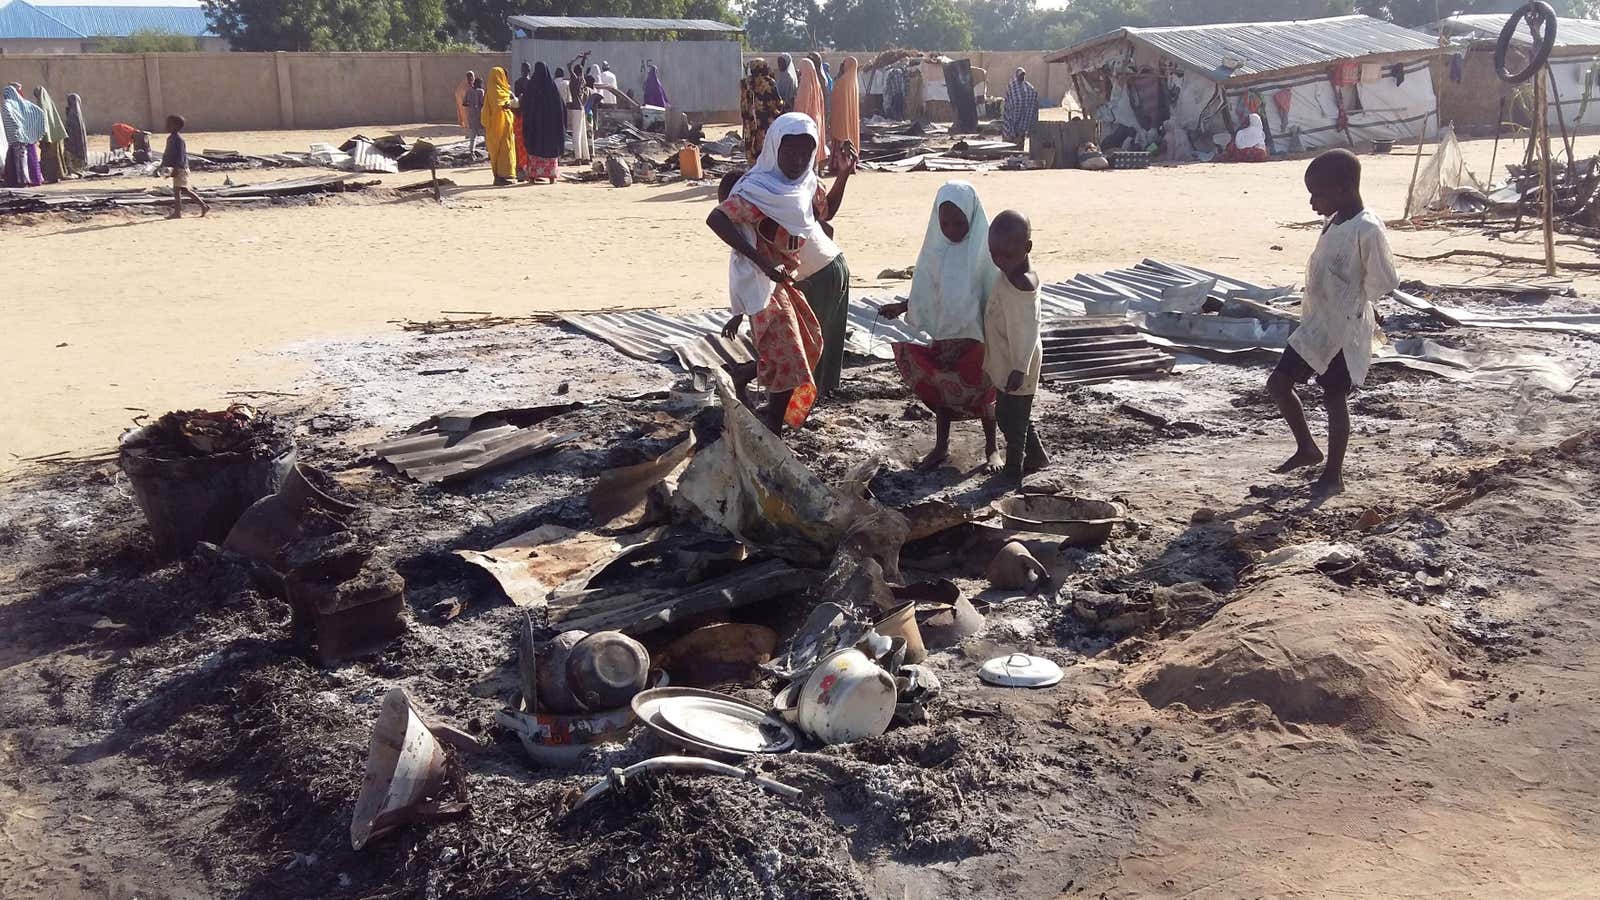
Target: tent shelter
[1470, 91]
[1317, 82]
[700, 60]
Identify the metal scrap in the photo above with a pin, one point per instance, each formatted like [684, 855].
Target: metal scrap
[462, 443]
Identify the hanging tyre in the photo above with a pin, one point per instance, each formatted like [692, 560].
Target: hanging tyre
[1541, 22]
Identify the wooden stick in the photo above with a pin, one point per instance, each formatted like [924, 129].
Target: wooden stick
[1546, 189]
[1500, 258]
[1416, 165]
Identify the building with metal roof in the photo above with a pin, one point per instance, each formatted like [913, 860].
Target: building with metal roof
[30, 27]
[1315, 82]
[1472, 95]
[700, 60]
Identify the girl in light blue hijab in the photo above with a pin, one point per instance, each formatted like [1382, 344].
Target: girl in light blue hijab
[24, 125]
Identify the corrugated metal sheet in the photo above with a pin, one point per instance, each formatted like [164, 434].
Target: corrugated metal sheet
[617, 23]
[1569, 32]
[700, 76]
[1271, 46]
[19, 20]
[121, 21]
[695, 339]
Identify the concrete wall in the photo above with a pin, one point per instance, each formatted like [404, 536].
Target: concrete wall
[254, 91]
[701, 77]
[79, 45]
[1051, 81]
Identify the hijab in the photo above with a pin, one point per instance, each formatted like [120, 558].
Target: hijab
[844, 121]
[594, 72]
[809, 101]
[77, 132]
[952, 281]
[827, 78]
[788, 85]
[543, 116]
[789, 203]
[655, 93]
[23, 120]
[496, 96]
[55, 130]
[1252, 135]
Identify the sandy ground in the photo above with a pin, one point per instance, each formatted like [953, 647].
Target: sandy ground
[123, 314]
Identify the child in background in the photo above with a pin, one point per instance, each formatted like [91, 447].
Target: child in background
[1348, 271]
[1013, 350]
[176, 161]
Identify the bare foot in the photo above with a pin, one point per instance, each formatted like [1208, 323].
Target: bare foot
[174, 215]
[935, 458]
[1300, 459]
[1328, 485]
[204, 210]
[995, 462]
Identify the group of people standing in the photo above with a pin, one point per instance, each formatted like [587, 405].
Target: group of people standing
[38, 144]
[804, 86]
[526, 125]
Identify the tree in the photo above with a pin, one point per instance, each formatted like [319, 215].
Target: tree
[784, 24]
[149, 40]
[1004, 24]
[935, 25]
[329, 24]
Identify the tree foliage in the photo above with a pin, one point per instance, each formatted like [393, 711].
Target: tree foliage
[148, 40]
[329, 24]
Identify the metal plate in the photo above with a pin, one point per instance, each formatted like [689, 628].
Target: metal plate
[727, 724]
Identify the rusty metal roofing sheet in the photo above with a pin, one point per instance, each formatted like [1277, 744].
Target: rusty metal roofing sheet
[618, 23]
[1271, 46]
[1569, 32]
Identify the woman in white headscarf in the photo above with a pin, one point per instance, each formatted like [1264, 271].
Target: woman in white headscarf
[1250, 144]
[948, 288]
[772, 219]
[24, 125]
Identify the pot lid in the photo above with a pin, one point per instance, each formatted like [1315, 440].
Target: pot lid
[1020, 670]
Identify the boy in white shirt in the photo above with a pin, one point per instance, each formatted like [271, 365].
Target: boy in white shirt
[1348, 271]
[1012, 349]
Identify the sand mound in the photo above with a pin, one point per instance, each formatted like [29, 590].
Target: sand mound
[1311, 656]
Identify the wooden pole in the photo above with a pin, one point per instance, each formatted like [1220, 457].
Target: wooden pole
[433, 169]
[1417, 165]
[1546, 189]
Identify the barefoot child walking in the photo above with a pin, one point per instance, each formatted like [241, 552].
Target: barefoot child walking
[176, 161]
[1348, 271]
[1013, 349]
[953, 276]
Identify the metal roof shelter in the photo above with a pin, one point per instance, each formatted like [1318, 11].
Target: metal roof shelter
[700, 67]
[1570, 33]
[1264, 47]
[21, 19]
[618, 23]
[1207, 79]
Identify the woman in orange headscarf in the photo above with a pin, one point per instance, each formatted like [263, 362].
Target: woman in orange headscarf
[844, 120]
[810, 100]
[497, 124]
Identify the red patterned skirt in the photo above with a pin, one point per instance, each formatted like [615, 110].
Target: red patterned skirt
[522, 152]
[788, 345]
[539, 167]
[947, 376]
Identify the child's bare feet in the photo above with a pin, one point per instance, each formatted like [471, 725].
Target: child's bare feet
[175, 215]
[204, 210]
[935, 458]
[1302, 458]
[994, 462]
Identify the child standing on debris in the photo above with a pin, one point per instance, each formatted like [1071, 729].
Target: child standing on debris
[954, 275]
[1013, 350]
[1348, 271]
[176, 161]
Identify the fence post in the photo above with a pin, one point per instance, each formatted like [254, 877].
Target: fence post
[152, 83]
[419, 106]
[285, 91]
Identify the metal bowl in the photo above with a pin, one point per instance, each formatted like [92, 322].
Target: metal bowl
[1083, 522]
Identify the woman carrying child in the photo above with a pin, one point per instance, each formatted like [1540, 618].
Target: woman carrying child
[953, 277]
